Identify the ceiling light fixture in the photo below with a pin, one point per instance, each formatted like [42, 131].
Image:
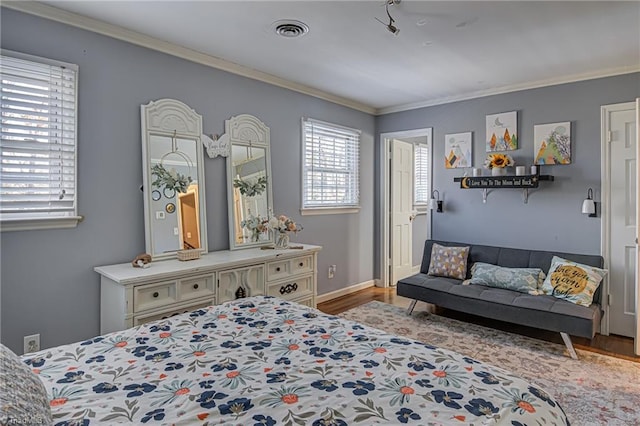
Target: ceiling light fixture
[390, 27]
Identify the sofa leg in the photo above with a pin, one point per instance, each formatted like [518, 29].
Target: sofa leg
[567, 342]
[411, 306]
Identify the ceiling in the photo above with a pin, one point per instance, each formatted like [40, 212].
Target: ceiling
[445, 51]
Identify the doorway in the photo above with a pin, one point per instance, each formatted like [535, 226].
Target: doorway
[619, 217]
[405, 245]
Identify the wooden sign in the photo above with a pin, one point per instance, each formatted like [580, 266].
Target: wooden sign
[529, 181]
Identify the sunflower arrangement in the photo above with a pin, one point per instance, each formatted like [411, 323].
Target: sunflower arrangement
[498, 161]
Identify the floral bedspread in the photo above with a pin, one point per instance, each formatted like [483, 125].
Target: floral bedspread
[264, 361]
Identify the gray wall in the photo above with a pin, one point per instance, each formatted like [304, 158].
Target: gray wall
[419, 227]
[552, 219]
[48, 284]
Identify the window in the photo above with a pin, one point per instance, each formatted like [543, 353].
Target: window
[330, 158]
[38, 145]
[421, 161]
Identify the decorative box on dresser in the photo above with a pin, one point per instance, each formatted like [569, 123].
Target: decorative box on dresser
[132, 296]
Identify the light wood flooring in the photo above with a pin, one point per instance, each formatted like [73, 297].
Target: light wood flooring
[617, 346]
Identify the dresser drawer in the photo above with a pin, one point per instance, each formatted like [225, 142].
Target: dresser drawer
[286, 268]
[307, 301]
[195, 287]
[293, 288]
[154, 295]
[171, 312]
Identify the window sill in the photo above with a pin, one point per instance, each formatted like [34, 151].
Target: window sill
[328, 210]
[420, 208]
[35, 224]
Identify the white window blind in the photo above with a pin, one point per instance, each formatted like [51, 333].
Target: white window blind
[421, 161]
[330, 177]
[38, 145]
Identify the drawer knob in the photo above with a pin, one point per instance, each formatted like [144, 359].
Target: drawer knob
[301, 264]
[289, 288]
[195, 286]
[156, 294]
[278, 269]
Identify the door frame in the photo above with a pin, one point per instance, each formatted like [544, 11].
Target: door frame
[636, 345]
[605, 223]
[385, 156]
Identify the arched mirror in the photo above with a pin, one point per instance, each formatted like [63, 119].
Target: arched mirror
[173, 179]
[248, 182]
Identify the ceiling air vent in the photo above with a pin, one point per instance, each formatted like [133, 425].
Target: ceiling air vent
[290, 29]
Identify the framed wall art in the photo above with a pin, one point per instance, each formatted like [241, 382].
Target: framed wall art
[502, 131]
[458, 150]
[552, 143]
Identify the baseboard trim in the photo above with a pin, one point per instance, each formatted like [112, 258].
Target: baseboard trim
[344, 291]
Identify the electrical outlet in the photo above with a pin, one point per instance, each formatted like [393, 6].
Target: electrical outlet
[31, 343]
[332, 271]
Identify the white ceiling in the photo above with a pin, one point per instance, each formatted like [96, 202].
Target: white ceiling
[445, 51]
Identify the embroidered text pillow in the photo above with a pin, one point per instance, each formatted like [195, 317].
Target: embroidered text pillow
[572, 281]
[448, 261]
[524, 280]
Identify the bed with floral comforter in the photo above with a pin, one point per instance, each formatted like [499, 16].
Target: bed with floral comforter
[265, 361]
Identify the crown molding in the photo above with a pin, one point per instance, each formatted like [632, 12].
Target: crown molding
[512, 88]
[120, 33]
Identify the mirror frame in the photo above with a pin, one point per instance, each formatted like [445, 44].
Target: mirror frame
[171, 118]
[248, 131]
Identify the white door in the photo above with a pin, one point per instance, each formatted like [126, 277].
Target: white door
[401, 209]
[621, 128]
[637, 336]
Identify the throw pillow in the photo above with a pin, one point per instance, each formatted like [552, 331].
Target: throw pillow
[572, 281]
[448, 261]
[23, 397]
[524, 280]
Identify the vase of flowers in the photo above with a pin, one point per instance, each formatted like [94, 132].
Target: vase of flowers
[281, 240]
[282, 226]
[256, 225]
[498, 164]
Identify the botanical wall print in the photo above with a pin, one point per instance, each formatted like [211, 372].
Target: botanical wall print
[552, 143]
[458, 150]
[502, 131]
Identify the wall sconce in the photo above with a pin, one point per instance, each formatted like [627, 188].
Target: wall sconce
[435, 203]
[588, 205]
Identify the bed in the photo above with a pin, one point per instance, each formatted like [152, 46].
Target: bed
[265, 361]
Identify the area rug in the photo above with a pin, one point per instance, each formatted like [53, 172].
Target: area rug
[593, 390]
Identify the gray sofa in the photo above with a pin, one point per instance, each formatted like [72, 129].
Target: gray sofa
[543, 311]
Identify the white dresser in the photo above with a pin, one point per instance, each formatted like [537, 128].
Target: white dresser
[132, 296]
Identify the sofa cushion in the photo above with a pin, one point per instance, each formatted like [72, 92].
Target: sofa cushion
[523, 280]
[448, 261]
[572, 281]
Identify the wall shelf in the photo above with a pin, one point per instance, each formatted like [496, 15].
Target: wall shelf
[485, 183]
